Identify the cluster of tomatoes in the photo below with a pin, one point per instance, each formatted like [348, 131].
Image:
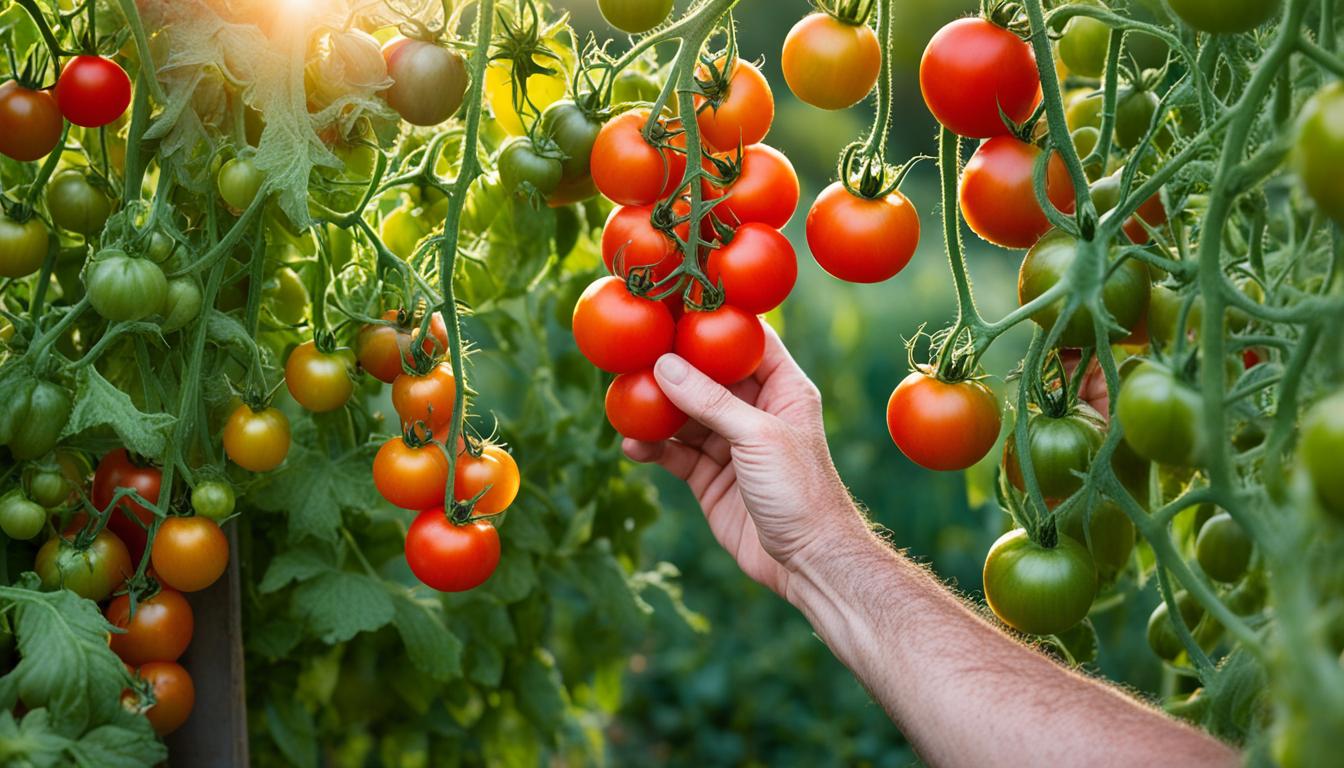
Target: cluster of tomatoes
[654, 302]
[153, 620]
[450, 554]
[91, 92]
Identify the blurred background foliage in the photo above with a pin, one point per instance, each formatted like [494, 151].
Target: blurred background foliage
[754, 686]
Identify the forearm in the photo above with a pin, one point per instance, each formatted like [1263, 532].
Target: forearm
[963, 692]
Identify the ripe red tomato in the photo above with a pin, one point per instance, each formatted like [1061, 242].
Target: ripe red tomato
[189, 553]
[1151, 211]
[998, 198]
[93, 91]
[411, 477]
[744, 113]
[941, 425]
[830, 64]
[450, 557]
[382, 347]
[118, 470]
[756, 269]
[30, 122]
[765, 190]
[494, 474]
[630, 238]
[972, 68]
[638, 409]
[427, 398]
[861, 240]
[618, 331]
[319, 381]
[726, 344]
[174, 695]
[257, 441]
[630, 171]
[160, 630]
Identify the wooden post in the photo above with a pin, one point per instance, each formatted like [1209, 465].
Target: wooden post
[216, 733]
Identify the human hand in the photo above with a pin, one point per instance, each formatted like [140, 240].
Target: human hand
[756, 458]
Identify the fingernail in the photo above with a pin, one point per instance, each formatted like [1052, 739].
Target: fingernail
[671, 368]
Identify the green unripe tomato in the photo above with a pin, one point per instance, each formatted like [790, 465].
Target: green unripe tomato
[77, 205]
[1224, 17]
[1320, 450]
[20, 518]
[634, 16]
[1036, 590]
[213, 499]
[48, 487]
[182, 305]
[1319, 151]
[124, 288]
[1162, 637]
[1084, 44]
[1223, 549]
[239, 182]
[1162, 417]
[1111, 535]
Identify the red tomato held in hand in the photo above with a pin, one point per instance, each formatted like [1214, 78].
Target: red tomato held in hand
[630, 240]
[620, 332]
[174, 695]
[429, 398]
[998, 198]
[450, 557]
[638, 409]
[93, 91]
[30, 122]
[189, 553]
[726, 344]
[765, 190]
[861, 240]
[972, 68]
[160, 630]
[630, 171]
[943, 426]
[756, 269]
[117, 470]
[744, 112]
[494, 474]
[830, 64]
[411, 477]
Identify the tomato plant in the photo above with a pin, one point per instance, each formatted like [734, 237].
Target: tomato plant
[121, 287]
[757, 268]
[1062, 449]
[189, 553]
[943, 425]
[159, 629]
[998, 197]
[631, 169]
[174, 695]
[1124, 294]
[862, 240]
[411, 476]
[91, 570]
[425, 398]
[256, 439]
[727, 343]
[739, 107]
[77, 205]
[429, 81]
[23, 246]
[319, 381]
[491, 479]
[972, 69]
[762, 188]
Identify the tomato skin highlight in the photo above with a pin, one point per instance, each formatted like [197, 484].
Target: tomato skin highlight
[860, 240]
[765, 191]
[727, 344]
[998, 198]
[257, 441]
[174, 694]
[189, 553]
[160, 630]
[638, 409]
[30, 122]
[93, 91]
[450, 557]
[830, 64]
[319, 381]
[972, 68]
[757, 269]
[411, 477]
[744, 114]
[494, 473]
[1036, 590]
[619, 332]
[943, 426]
[117, 470]
[627, 169]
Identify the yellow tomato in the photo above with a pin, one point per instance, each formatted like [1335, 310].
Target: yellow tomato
[542, 90]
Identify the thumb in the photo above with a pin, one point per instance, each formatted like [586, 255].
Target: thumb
[707, 401]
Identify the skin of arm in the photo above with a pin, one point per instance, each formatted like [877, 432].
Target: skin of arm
[962, 691]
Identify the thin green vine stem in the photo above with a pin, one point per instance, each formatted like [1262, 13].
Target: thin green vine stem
[949, 171]
[1054, 115]
[466, 174]
[875, 146]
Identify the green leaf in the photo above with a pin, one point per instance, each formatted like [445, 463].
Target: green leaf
[292, 728]
[32, 741]
[339, 605]
[66, 664]
[312, 488]
[515, 578]
[225, 331]
[298, 564]
[128, 744]
[98, 403]
[432, 648]
[541, 694]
